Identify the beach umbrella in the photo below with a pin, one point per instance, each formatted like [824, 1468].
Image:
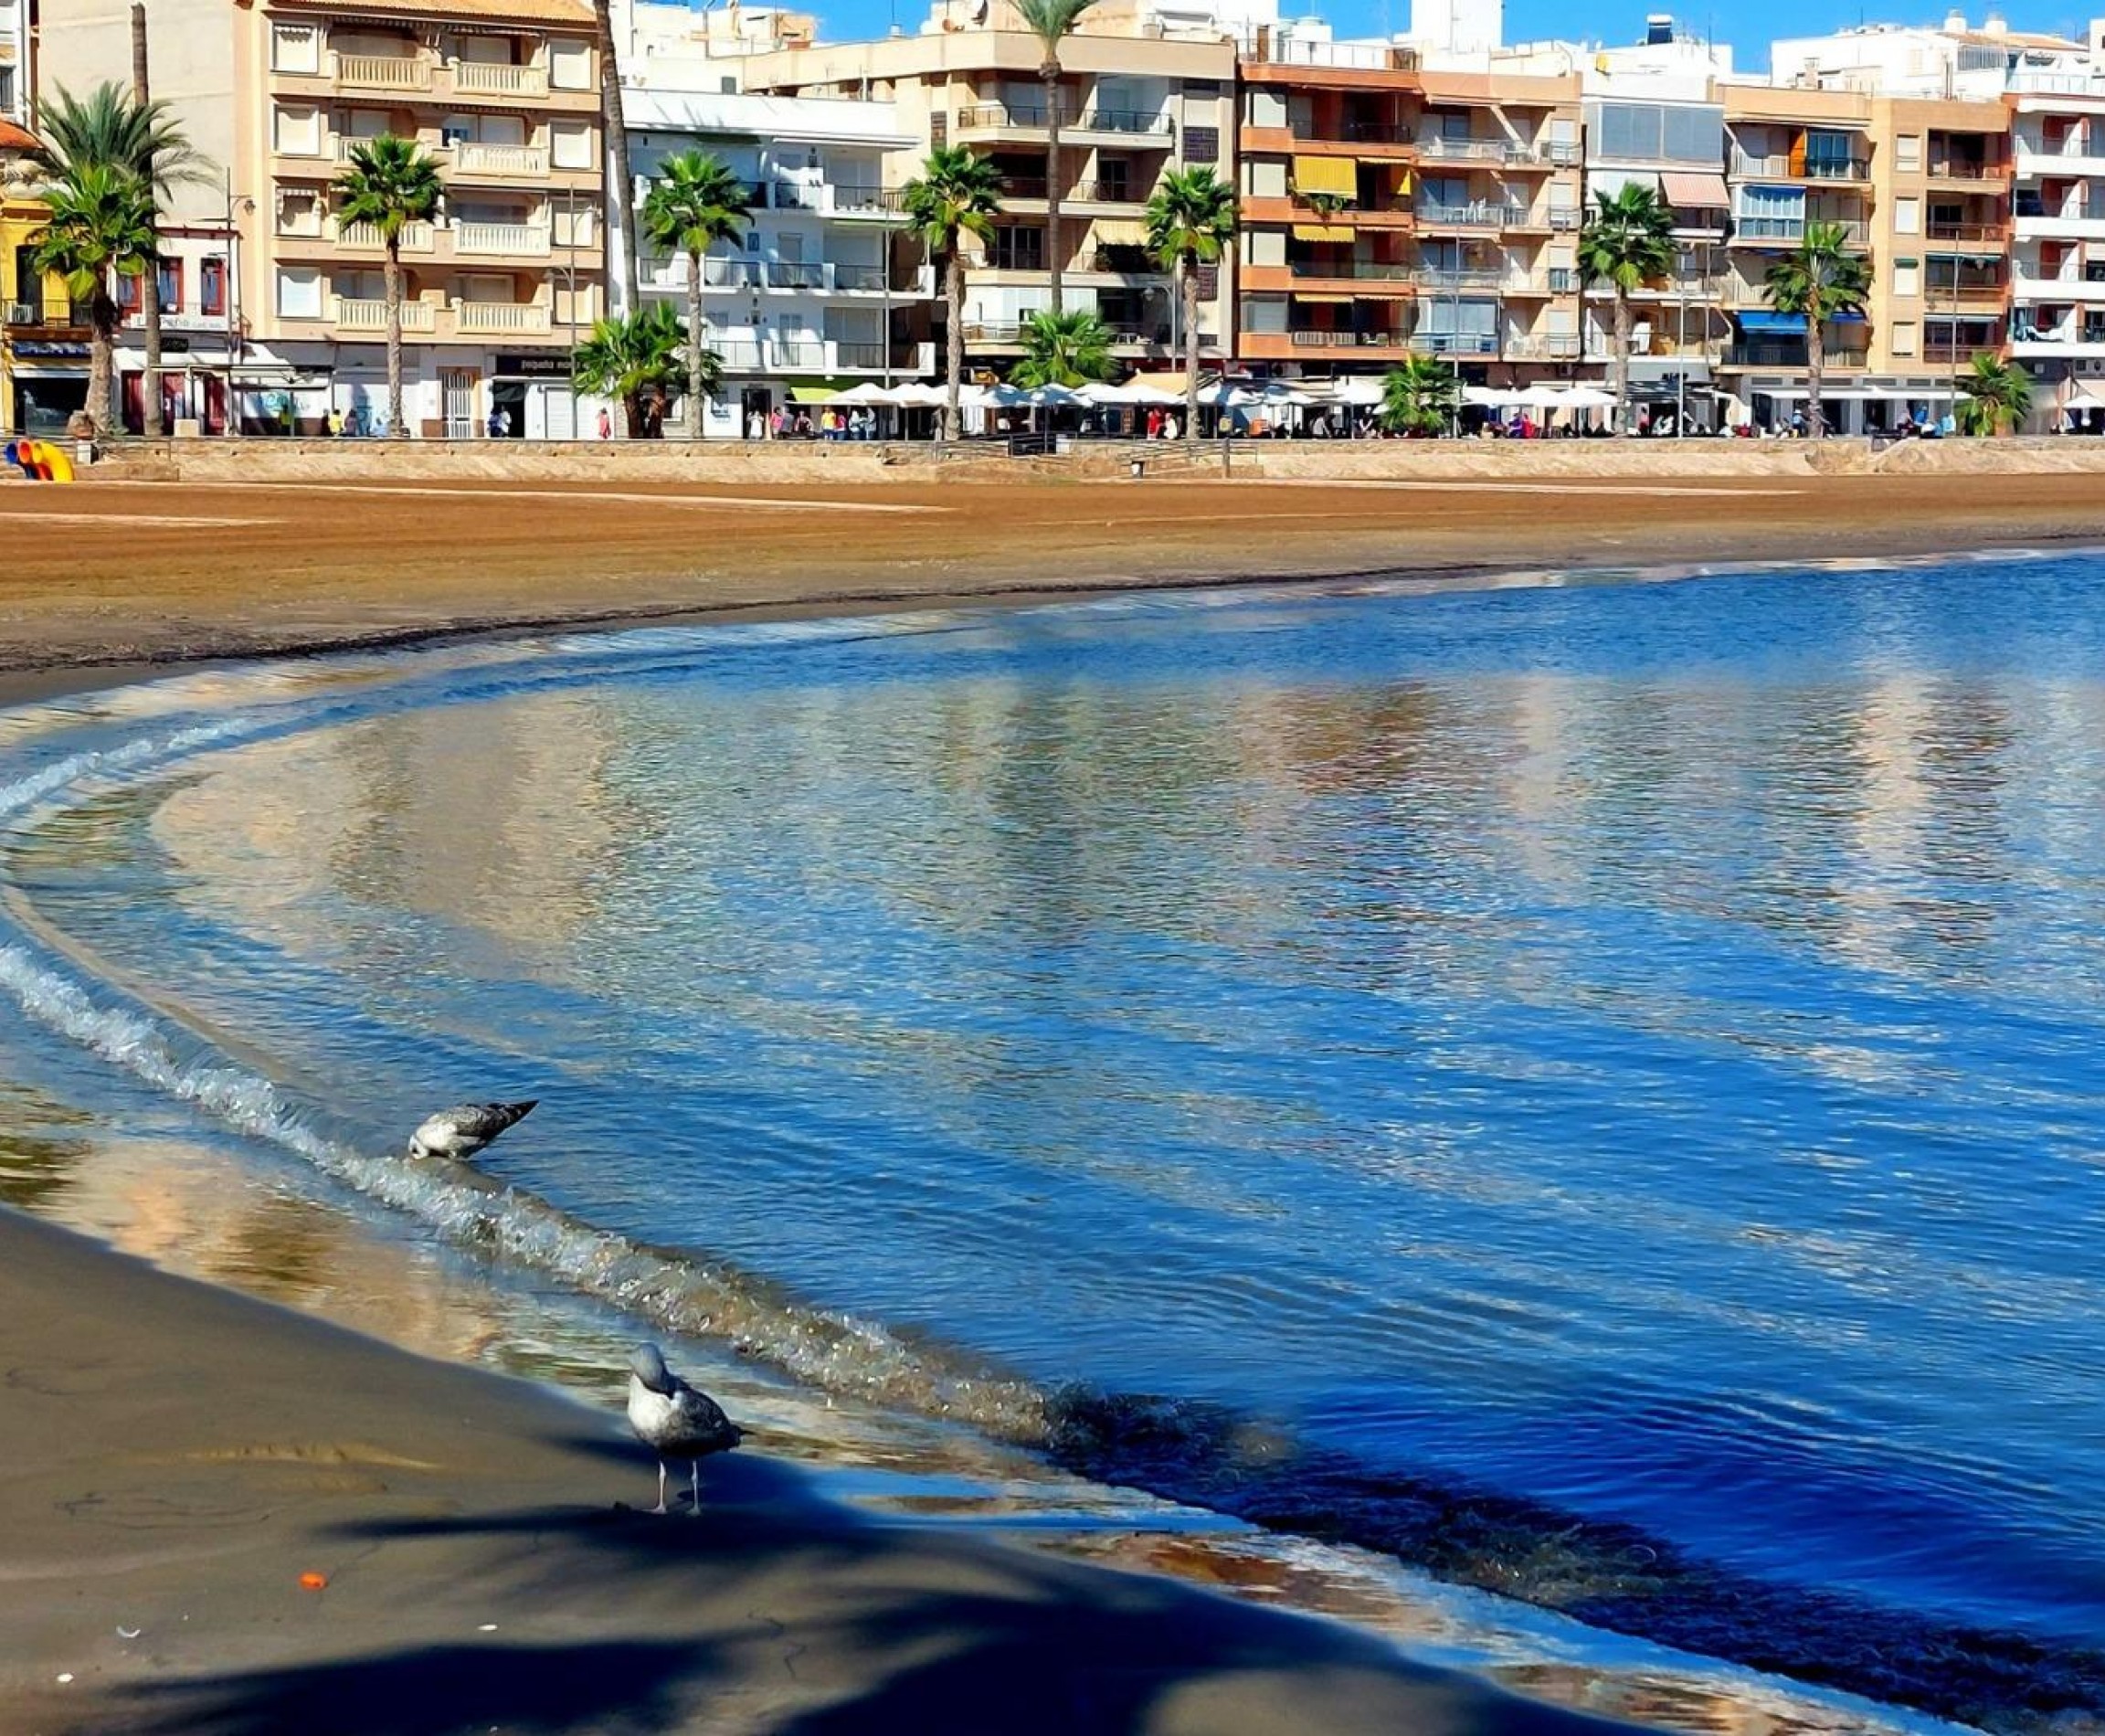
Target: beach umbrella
[1587, 397]
[868, 392]
[1490, 397]
[1360, 390]
[914, 396]
[1543, 397]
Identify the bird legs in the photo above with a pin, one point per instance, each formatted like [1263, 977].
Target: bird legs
[694, 1483]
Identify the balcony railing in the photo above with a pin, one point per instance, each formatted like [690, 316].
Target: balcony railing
[1965, 169]
[2084, 210]
[1456, 343]
[1015, 116]
[1774, 228]
[383, 71]
[472, 156]
[863, 357]
[1320, 340]
[525, 239]
[1807, 168]
[1479, 214]
[1558, 347]
[502, 318]
[416, 237]
[1129, 121]
[1936, 231]
[797, 196]
[871, 200]
[473, 78]
[863, 278]
[51, 311]
[2070, 84]
[1276, 48]
[1374, 270]
[354, 314]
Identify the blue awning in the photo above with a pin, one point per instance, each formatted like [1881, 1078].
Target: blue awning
[1773, 325]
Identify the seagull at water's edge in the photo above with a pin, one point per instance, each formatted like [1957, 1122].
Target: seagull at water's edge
[465, 1128]
[675, 1420]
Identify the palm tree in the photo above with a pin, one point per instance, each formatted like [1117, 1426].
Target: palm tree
[1049, 21]
[955, 194]
[695, 202]
[1821, 279]
[121, 130]
[390, 183]
[1998, 397]
[1064, 349]
[100, 228]
[1189, 222]
[619, 185]
[1628, 242]
[644, 359]
[1419, 396]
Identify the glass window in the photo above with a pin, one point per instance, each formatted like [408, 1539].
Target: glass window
[169, 277]
[295, 47]
[1830, 155]
[1907, 153]
[299, 292]
[570, 66]
[1907, 216]
[1907, 279]
[212, 285]
[1264, 313]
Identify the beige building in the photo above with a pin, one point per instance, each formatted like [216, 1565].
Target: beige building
[505, 96]
[1138, 99]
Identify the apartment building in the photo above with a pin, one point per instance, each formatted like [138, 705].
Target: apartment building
[1139, 98]
[1941, 293]
[15, 44]
[2057, 242]
[504, 95]
[1326, 154]
[822, 291]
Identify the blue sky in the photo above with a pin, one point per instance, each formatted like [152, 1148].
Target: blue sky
[1747, 26]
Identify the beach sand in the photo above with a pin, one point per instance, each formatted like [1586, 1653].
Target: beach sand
[114, 573]
[174, 1458]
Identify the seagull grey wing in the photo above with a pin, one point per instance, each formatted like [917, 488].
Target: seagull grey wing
[485, 1121]
[701, 1421]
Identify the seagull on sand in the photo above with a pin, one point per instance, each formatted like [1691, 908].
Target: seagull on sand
[465, 1128]
[675, 1420]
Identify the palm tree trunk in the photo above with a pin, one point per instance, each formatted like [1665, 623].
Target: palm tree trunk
[1815, 358]
[392, 273]
[954, 338]
[1187, 287]
[622, 189]
[1049, 73]
[693, 344]
[1621, 360]
[103, 317]
[150, 394]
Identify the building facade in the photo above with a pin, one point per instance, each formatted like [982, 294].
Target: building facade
[1137, 100]
[503, 93]
[822, 292]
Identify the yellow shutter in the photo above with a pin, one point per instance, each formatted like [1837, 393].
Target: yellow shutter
[1336, 175]
[1322, 232]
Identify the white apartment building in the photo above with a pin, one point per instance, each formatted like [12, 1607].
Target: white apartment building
[15, 40]
[818, 295]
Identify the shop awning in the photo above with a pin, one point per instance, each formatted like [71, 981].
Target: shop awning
[1121, 232]
[1771, 324]
[1328, 297]
[1338, 176]
[1322, 232]
[1402, 185]
[1694, 189]
[812, 393]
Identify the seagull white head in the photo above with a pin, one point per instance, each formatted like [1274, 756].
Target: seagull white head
[648, 1365]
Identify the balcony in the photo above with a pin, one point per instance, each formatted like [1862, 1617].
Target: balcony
[1780, 168]
[1454, 342]
[382, 73]
[502, 240]
[502, 319]
[1281, 48]
[49, 314]
[2072, 156]
[828, 276]
[1372, 340]
[366, 237]
[1555, 346]
[1488, 215]
[1500, 152]
[1980, 235]
[1354, 270]
[354, 315]
[505, 161]
[474, 78]
[1966, 172]
[1774, 231]
[2065, 283]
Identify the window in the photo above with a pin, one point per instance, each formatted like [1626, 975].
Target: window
[295, 47]
[1907, 153]
[1264, 180]
[1018, 249]
[1263, 313]
[127, 295]
[573, 146]
[1907, 279]
[170, 280]
[1201, 144]
[299, 213]
[1907, 216]
[1266, 108]
[1904, 337]
[1831, 156]
[297, 132]
[8, 89]
[212, 285]
[299, 292]
[570, 66]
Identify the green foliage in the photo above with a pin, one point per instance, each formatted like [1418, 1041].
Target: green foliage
[1419, 397]
[1996, 397]
[101, 222]
[389, 183]
[107, 129]
[641, 359]
[1049, 20]
[955, 194]
[1628, 239]
[695, 202]
[1069, 348]
[1190, 218]
[1821, 278]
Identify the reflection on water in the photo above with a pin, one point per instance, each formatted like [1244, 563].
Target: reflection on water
[1575, 1088]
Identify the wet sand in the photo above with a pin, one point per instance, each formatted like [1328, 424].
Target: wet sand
[113, 572]
[175, 1459]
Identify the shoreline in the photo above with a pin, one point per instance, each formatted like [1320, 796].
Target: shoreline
[316, 1693]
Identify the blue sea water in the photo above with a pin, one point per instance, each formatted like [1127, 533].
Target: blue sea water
[1592, 1087]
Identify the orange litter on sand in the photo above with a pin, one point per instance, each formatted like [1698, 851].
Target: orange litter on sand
[314, 1582]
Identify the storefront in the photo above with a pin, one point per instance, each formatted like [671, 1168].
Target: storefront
[532, 397]
[48, 384]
